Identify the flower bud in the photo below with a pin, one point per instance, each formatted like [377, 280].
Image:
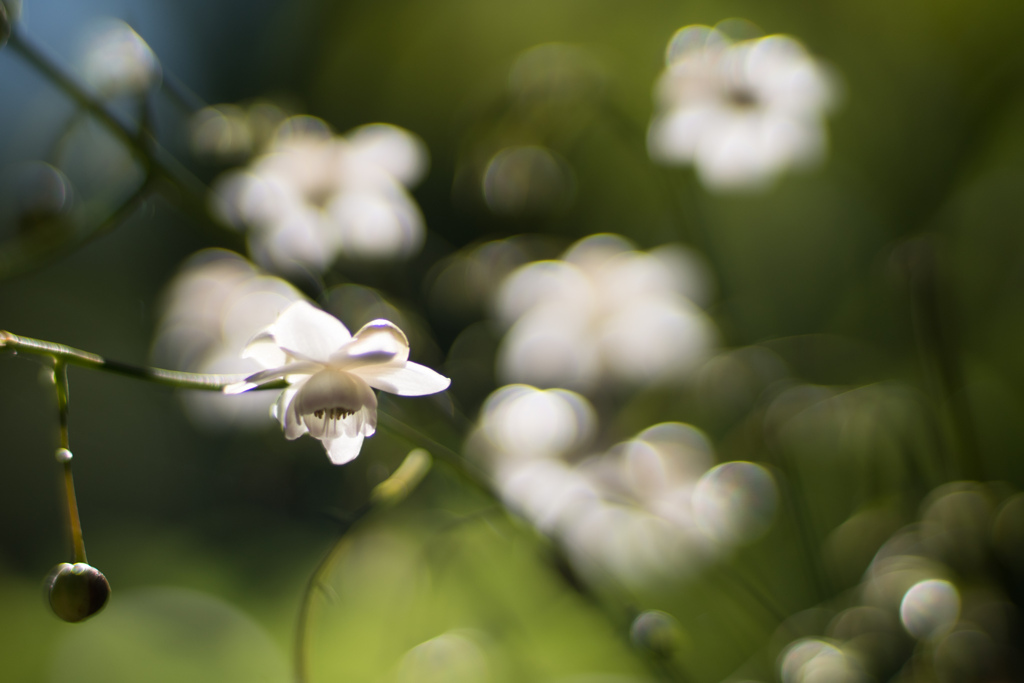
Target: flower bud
[656, 632]
[76, 591]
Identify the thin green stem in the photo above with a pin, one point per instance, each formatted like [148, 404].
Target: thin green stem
[60, 381]
[153, 156]
[71, 356]
[318, 582]
[26, 255]
[940, 354]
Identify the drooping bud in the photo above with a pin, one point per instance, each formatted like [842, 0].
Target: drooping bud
[76, 591]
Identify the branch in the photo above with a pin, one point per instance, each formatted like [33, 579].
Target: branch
[72, 356]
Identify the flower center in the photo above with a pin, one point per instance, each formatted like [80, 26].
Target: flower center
[741, 97]
[335, 413]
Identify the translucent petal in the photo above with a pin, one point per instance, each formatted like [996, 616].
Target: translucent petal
[343, 449]
[272, 375]
[412, 379]
[265, 351]
[292, 422]
[305, 331]
[335, 390]
[377, 342]
[279, 410]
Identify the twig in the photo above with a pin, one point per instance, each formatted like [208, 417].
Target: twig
[71, 356]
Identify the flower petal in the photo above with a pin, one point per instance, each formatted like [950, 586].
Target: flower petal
[272, 375]
[265, 351]
[305, 331]
[377, 342]
[292, 422]
[335, 390]
[412, 379]
[279, 410]
[343, 449]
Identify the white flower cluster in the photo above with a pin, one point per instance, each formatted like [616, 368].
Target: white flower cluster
[314, 195]
[740, 112]
[604, 311]
[651, 508]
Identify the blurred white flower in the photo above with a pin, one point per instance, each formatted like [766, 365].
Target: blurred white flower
[117, 61]
[739, 112]
[331, 372]
[810, 660]
[314, 195]
[651, 508]
[212, 307]
[605, 311]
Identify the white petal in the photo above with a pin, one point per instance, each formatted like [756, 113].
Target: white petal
[238, 388]
[343, 449]
[378, 342]
[273, 375]
[305, 331]
[279, 410]
[412, 379]
[292, 423]
[265, 351]
[336, 390]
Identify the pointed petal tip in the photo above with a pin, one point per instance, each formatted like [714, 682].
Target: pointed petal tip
[238, 388]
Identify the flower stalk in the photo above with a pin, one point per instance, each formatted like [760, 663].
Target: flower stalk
[60, 381]
[66, 355]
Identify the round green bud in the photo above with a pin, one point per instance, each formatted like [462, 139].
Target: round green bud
[656, 632]
[76, 591]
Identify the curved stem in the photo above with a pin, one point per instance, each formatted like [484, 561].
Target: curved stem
[317, 582]
[154, 157]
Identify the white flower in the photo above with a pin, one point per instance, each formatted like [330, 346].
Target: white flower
[739, 112]
[314, 195]
[604, 312]
[117, 61]
[332, 374]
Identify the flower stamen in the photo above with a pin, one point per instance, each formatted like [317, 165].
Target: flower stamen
[333, 413]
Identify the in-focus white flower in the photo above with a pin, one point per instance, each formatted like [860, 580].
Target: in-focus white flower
[739, 112]
[314, 195]
[332, 374]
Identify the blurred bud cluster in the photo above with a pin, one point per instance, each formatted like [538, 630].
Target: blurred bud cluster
[940, 600]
